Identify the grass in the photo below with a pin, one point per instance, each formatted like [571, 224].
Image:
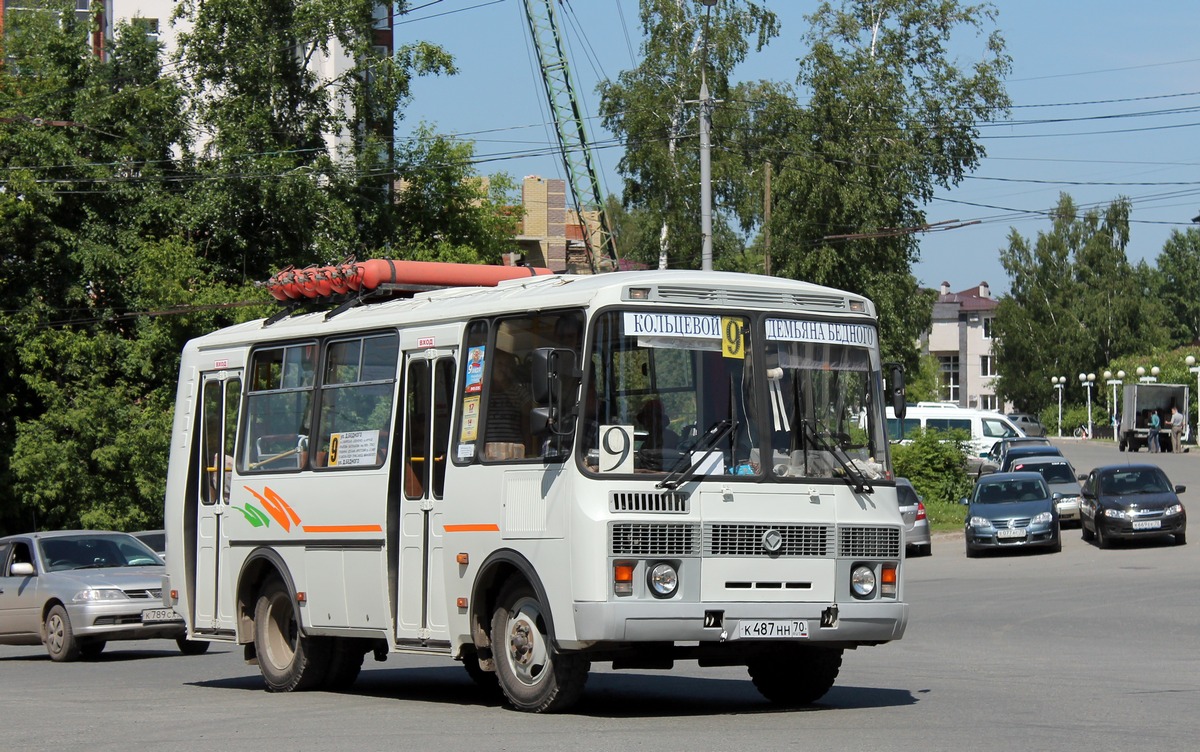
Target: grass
[944, 515]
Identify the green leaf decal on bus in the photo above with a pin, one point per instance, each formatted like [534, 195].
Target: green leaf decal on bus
[254, 516]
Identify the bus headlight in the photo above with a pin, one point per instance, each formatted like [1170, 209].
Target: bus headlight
[663, 580]
[862, 581]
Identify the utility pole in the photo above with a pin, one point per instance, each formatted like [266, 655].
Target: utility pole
[767, 219]
[705, 152]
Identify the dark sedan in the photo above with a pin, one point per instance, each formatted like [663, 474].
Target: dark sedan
[1131, 501]
[1011, 510]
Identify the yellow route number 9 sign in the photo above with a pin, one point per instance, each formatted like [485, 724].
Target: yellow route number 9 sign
[733, 338]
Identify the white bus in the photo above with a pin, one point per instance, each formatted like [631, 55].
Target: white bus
[632, 468]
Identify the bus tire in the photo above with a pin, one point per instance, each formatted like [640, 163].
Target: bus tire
[345, 662]
[288, 659]
[797, 677]
[534, 676]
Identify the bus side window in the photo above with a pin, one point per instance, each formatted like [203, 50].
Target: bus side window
[416, 442]
[443, 397]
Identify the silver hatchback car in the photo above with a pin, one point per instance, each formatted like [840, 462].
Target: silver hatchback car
[74, 591]
[916, 525]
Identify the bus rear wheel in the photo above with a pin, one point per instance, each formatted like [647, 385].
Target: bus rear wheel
[533, 675]
[288, 659]
[796, 677]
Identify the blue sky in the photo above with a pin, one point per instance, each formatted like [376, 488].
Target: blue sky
[1064, 52]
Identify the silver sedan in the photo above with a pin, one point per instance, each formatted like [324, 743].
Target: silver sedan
[75, 591]
[916, 524]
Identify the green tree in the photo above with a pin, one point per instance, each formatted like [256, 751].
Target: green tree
[1075, 303]
[892, 115]
[653, 109]
[1179, 269]
[270, 192]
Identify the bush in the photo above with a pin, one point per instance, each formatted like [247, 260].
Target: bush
[935, 462]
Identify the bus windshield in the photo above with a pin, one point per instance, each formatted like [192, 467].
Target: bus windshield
[665, 391]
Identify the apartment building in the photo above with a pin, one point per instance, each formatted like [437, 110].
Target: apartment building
[961, 340]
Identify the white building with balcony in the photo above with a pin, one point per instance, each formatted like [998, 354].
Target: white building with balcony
[961, 340]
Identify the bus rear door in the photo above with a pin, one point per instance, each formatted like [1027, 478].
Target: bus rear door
[221, 400]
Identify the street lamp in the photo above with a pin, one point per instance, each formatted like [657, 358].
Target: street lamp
[1191, 364]
[1114, 383]
[1087, 381]
[1153, 377]
[1059, 382]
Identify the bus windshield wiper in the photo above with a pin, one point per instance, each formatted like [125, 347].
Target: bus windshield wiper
[851, 475]
[683, 470]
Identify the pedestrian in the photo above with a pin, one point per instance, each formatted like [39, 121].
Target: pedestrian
[1176, 424]
[1155, 425]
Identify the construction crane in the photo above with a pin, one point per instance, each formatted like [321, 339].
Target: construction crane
[572, 134]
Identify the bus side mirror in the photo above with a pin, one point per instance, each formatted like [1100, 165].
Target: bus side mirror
[897, 390]
[554, 381]
[553, 375]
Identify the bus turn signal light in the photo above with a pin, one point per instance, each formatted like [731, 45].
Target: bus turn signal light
[888, 581]
[623, 578]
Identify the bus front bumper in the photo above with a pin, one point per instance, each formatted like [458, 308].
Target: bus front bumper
[642, 621]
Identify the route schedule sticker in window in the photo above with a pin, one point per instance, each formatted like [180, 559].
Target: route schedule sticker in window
[351, 448]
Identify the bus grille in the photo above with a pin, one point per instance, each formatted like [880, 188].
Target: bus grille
[869, 542]
[734, 297]
[668, 502]
[747, 540]
[652, 539]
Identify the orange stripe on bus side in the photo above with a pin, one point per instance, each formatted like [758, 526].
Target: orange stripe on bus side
[341, 528]
[486, 528]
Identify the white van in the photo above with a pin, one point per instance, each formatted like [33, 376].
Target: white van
[985, 427]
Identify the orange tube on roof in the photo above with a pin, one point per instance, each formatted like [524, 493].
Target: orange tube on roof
[315, 282]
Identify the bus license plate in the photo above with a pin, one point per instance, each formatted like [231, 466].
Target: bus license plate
[784, 629]
[1147, 524]
[158, 615]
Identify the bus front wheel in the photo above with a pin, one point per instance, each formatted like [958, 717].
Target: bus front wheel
[533, 675]
[797, 677]
[288, 659]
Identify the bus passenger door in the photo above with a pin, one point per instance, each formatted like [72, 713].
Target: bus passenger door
[220, 401]
[428, 386]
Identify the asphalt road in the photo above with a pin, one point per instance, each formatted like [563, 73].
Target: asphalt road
[1082, 650]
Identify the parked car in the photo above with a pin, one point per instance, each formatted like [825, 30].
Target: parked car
[1060, 476]
[1011, 510]
[155, 539]
[1019, 454]
[75, 591]
[916, 525]
[995, 456]
[1131, 501]
[1028, 423]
